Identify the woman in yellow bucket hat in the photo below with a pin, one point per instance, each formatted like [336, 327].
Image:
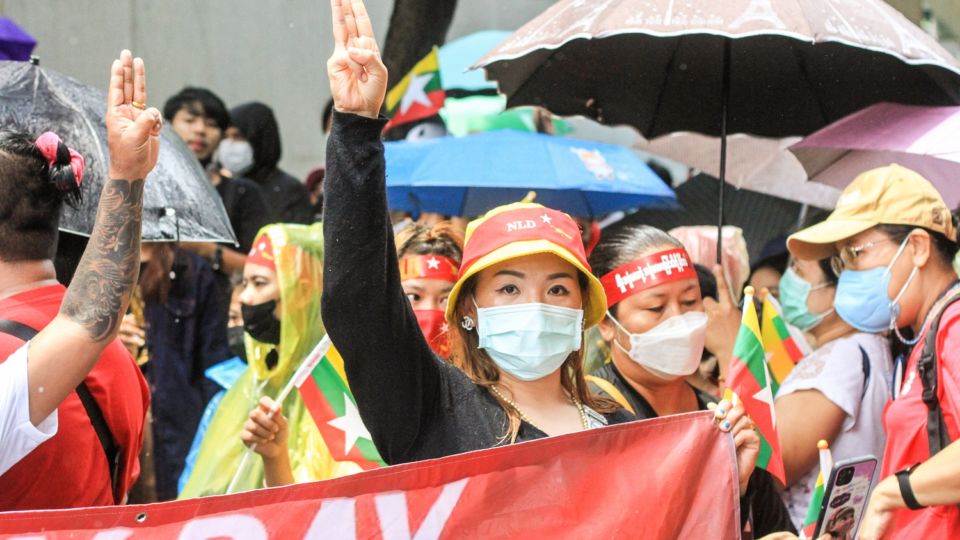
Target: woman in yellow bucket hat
[523, 296]
[893, 239]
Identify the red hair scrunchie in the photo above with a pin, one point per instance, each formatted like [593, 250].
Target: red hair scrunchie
[48, 142]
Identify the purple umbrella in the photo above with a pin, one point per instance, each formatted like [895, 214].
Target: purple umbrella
[15, 44]
[925, 139]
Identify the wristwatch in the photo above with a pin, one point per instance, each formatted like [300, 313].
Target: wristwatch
[217, 262]
[903, 479]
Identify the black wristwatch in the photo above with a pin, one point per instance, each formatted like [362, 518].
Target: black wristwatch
[217, 262]
[903, 479]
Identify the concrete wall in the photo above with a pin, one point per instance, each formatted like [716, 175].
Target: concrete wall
[273, 51]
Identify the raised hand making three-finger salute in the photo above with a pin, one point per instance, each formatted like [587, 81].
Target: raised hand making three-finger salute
[358, 78]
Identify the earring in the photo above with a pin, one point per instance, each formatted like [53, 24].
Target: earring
[467, 323]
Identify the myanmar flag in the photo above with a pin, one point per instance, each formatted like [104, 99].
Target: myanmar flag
[751, 382]
[783, 351]
[816, 500]
[417, 96]
[325, 392]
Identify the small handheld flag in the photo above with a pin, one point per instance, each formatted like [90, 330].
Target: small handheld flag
[816, 499]
[325, 393]
[783, 350]
[750, 380]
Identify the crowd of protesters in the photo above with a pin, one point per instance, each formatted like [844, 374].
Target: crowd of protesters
[165, 356]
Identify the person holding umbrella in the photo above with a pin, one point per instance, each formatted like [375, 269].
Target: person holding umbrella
[518, 309]
[72, 386]
[656, 330]
[893, 239]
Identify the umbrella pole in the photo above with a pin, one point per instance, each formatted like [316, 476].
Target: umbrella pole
[724, 104]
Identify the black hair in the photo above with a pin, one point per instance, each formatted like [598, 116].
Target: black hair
[624, 243]
[327, 117]
[829, 276]
[199, 102]
[32, 194]
[708, 282]
[946, 248]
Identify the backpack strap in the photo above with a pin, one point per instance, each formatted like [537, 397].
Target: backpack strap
[109, 445]
[865, 366]
[937, 435]
[608, 388]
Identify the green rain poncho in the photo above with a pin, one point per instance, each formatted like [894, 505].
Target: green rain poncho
[298, 255]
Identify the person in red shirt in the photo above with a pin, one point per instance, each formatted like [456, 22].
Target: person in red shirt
[893, 240]
[76, 369]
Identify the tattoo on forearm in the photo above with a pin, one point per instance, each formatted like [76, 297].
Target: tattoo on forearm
[101, 286]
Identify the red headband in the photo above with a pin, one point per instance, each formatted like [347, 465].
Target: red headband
[644, 273]
[428, 267]
[262, 252]
[48, 143]
[537, 223]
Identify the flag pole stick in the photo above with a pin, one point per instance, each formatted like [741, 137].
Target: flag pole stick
[304, 371]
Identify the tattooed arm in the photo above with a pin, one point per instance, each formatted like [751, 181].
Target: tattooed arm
[62, 354]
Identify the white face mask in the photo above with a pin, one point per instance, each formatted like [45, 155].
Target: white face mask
[671, 349]
[529, 341]
[234, 155]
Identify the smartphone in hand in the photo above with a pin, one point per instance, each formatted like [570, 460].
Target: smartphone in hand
[845, 497]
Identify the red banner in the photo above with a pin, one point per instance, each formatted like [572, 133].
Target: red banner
[665, 478]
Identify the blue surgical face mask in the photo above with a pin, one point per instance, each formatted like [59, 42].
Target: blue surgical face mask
[794, 292]
[529, 341]
[862, 299]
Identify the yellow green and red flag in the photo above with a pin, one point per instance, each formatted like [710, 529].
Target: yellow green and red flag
[418, 95]
[327, 396]
[783, 350]
[750, 383]
[813, 512]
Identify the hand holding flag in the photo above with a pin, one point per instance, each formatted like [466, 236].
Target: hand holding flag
[730, 416]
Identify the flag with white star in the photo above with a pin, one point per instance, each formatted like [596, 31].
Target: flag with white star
[419, 95]
[331, 404]
[751, 382]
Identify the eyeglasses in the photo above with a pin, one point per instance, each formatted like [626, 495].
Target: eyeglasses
[847, 255]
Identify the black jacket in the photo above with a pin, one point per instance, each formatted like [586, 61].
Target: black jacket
[286, 197]
[415, 405]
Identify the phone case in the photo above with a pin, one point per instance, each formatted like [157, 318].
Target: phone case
[843, 505]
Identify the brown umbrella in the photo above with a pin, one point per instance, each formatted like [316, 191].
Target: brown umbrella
[773, 68]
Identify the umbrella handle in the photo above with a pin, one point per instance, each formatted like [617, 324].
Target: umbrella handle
[724, 110]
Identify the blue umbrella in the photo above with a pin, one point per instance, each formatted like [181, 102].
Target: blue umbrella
[466, 176]
[458, 55]
[15, 44]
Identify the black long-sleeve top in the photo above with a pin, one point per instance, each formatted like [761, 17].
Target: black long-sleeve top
[415, 405]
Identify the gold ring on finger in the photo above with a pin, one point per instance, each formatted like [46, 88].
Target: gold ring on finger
[138, 105]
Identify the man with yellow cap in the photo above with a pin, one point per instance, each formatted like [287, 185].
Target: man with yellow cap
[892, 240]
[523, 296]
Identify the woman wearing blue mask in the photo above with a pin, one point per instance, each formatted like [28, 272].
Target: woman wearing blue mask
[892, 239]
[523, 296]
[843, 384]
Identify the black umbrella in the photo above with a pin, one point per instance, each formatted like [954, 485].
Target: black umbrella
[772, 68]
[180, 203]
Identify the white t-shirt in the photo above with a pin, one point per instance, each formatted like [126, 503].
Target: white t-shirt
[836, 371]
[18, 436]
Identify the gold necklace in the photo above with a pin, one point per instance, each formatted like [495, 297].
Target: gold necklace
[576, 402]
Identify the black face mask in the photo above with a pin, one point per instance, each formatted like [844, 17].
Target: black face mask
[235, 341]
[260, 323]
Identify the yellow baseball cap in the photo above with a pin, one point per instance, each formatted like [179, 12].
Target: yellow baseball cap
[520, 229]
[891, 195]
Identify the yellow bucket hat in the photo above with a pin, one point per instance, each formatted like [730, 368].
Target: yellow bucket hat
[520, 229]
[891, 195]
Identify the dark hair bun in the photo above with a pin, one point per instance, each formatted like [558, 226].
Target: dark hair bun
[62, 176]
